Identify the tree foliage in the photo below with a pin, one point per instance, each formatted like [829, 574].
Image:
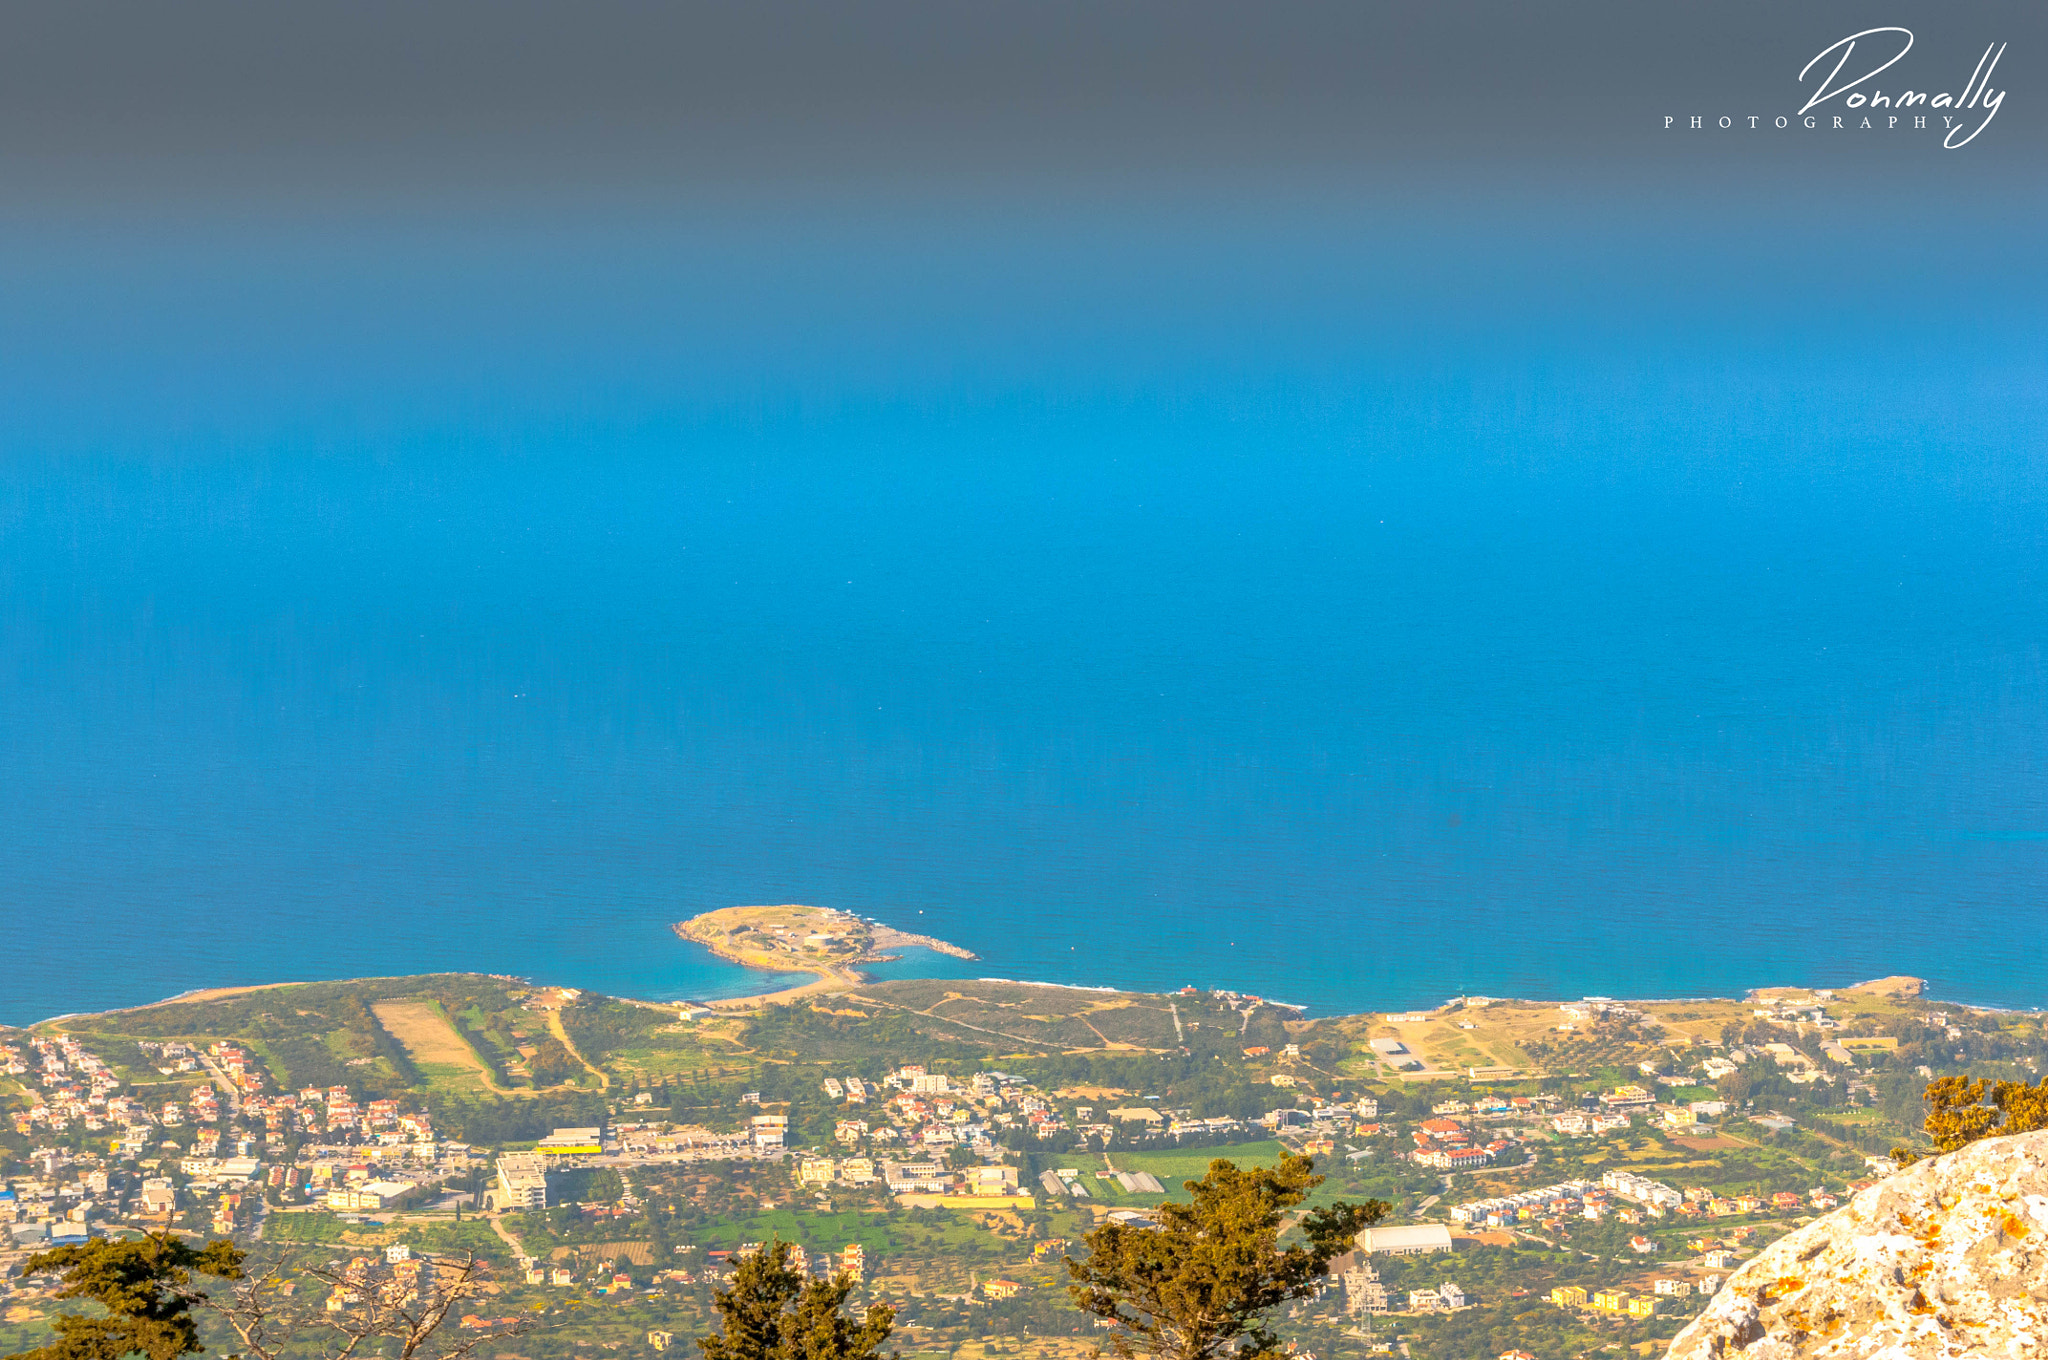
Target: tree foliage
[1196, 1286]
[772, 1312]
[1957, 1115]
[148, 1290]
[492, 1119]
[146, 1287]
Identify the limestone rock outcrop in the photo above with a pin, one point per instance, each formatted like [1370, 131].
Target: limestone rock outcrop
[1947, 1258]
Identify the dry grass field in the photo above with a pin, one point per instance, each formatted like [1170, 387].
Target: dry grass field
[430, 1040]
[1522, 1035]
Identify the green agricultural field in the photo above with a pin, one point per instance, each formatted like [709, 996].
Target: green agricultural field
[472, 1236]
[923, 1232]
[304, 1228]
[1107, 1191]
[1174, 1165]
[286, 1231]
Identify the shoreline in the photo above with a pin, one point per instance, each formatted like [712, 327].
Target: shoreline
[847, 976]
[196, 994]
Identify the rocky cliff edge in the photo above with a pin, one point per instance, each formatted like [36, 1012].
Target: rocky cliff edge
[1946, 1258]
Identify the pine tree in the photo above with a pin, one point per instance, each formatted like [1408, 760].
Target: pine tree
[146, 1288]
[1198, 1285]
[1957, 1115]
[772, 1312]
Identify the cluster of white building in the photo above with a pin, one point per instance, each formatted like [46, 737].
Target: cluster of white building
[1590, 1123]
[68, 1084]
[1642, 1189]
[1445, 1298]
[1548, 1200]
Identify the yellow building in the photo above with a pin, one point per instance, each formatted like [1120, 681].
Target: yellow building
[1642, 1306]
[571, 1143]
[1611, 1300]
[1568, 1296]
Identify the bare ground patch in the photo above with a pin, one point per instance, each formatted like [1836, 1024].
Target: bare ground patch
[427, 1036]
[1715, 1144]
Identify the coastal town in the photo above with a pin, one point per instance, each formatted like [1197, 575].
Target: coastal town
[1607, 1163]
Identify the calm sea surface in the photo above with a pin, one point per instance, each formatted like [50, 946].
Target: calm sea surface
[1247, 642]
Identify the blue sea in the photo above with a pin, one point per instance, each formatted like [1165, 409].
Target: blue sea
[1349, 606]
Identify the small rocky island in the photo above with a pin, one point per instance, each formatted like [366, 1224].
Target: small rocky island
[792, 938]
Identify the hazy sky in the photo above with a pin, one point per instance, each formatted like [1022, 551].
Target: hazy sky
[236, 217]
[421, 97]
